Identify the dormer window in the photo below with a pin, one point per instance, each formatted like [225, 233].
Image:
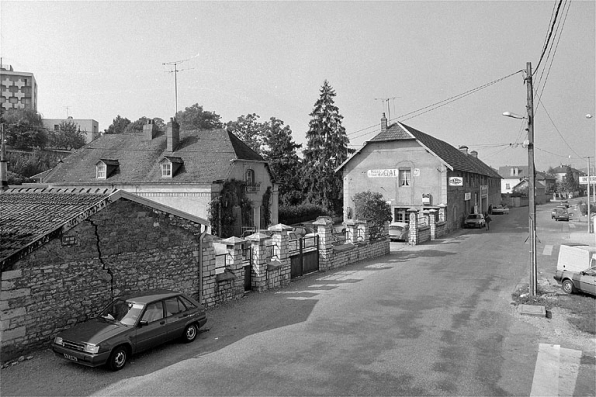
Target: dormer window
[104, 168]
[170, 166]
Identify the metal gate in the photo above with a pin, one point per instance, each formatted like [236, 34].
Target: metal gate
[304, 255]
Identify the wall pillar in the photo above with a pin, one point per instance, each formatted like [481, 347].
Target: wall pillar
[324, 229]
[413, 236]
[234, 263]
[363, 231]
[351, 231]
[442, 212]
[260, 260]
[433, 224]
[281, 252]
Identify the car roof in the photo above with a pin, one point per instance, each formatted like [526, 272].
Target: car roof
[149, 296]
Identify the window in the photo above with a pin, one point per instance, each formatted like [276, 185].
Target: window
[166, 170]
[174, 306]
[507, 186]
[101, 171]
[153, 312]
[404, 177]
[250, 177]
[401, 215]
[56, 127]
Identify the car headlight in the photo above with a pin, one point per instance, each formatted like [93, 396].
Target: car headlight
[90, 348]
[58, 341]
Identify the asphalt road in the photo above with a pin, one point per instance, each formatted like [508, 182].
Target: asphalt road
[433, 319]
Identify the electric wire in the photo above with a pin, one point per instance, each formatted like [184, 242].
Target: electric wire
[553, 22]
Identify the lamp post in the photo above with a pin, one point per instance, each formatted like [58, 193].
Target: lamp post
[531, 178]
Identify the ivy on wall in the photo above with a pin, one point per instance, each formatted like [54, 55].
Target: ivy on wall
[267, 207]
[221, 208]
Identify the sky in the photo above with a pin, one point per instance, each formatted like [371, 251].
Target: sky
[446, 68]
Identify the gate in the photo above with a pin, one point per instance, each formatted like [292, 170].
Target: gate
[304, 255]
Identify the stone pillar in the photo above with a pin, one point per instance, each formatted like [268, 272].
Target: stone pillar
[351, 231]
[413, 236]
[324, 229]
[442, 212]
[260, 260]
[208, 283]
[363, 231]
[281, 251]
[234, 263]
[433, 224]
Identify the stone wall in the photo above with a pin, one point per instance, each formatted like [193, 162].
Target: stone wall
[124, 247]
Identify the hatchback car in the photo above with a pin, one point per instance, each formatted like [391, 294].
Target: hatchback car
[129, 325]
[560, 214]
[500, 210]
[584, 281]
[475, 220]
[398, 231]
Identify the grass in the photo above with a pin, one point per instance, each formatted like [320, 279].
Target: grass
[583, 307]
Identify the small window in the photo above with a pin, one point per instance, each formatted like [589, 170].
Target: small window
[250, 177]
[405, 177]
[101, 171]
[166, 170]
[56, 127]
[174, 306]
[507, 186]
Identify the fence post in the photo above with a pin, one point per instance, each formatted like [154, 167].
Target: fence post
[442, 210]
[324, 229]
[259, 261]
[281, 251]
[234, 262]
[208, 272]
[413, 236]
[363, 231]
[433, 224]
[351, 231]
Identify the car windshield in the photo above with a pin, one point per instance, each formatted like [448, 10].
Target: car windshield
[473, 217]
[122, 311]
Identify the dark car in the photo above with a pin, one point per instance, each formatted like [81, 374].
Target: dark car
[560, 214]
[129, 325]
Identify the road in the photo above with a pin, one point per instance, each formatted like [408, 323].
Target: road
[433, 319]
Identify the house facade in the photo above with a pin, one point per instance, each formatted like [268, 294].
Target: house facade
[89, 127]
[415, 171]
[514, 174]
[185, 170]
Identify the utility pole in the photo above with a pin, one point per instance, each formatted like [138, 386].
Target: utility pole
[3, 165]
[589, 229]
[531, 188]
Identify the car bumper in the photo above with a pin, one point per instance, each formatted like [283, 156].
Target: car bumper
[87, 359]
[558, 276]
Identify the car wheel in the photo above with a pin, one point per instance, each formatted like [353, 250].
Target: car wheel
[567, 286]
[190, 333]
[118, 358]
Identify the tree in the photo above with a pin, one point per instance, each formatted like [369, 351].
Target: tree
[136, 126]
[24, 129]
[372, 207]
[326, 149]
[249, 131]
[571, 184]
[279, 149]
[118, 125]
[195, 118]
[68, 136]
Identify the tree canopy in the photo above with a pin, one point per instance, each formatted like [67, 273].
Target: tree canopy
[118, 125]
[24, 129]
[195, 117]
[68, 136]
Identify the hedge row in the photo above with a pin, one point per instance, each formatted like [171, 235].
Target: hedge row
[289, 215]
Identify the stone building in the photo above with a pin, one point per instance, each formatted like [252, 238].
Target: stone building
[185, 170]
[415, 171]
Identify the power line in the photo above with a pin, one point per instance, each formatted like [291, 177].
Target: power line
[554, 20]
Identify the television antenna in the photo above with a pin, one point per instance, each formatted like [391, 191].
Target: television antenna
[175, 71]
[386, 101]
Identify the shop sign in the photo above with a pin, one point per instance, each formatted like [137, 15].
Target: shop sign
[456, 181]
[386, 173]
[467, 196]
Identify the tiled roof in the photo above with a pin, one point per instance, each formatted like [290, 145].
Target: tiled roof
[455, 158]
[207, 156]
[29, 214]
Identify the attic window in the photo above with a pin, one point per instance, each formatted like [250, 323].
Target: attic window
[170, 166]
[104, 168]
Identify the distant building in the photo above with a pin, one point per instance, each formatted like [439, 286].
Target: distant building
[89, 127]
[18, 89]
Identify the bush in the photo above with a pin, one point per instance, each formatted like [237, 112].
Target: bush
[372, 207]
[289, 215]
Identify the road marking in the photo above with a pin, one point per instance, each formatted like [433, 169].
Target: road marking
[556, 371]
[548, 250]
[571, 226]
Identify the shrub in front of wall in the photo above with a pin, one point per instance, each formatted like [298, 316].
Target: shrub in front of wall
[289, 215]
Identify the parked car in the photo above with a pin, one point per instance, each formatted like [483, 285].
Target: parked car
[399, 231]
[576, 269]
[129, 325]
[475, 220]
[500, 210]
[560, 214]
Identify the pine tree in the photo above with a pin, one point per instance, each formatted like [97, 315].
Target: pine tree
[326, 149]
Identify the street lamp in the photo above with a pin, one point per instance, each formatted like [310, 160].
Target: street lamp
[531, 178]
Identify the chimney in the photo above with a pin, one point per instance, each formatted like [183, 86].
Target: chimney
[383, 123]
[474, 154]
[463, 149]
[172, 135]
[149, 130]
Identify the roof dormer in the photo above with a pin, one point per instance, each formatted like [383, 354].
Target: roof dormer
[105, 168]
[170, 165]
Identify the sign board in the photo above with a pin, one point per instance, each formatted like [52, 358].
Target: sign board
[467, 196]
[386, 173]
[483, 191]
[456, 181]
[583, 180]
